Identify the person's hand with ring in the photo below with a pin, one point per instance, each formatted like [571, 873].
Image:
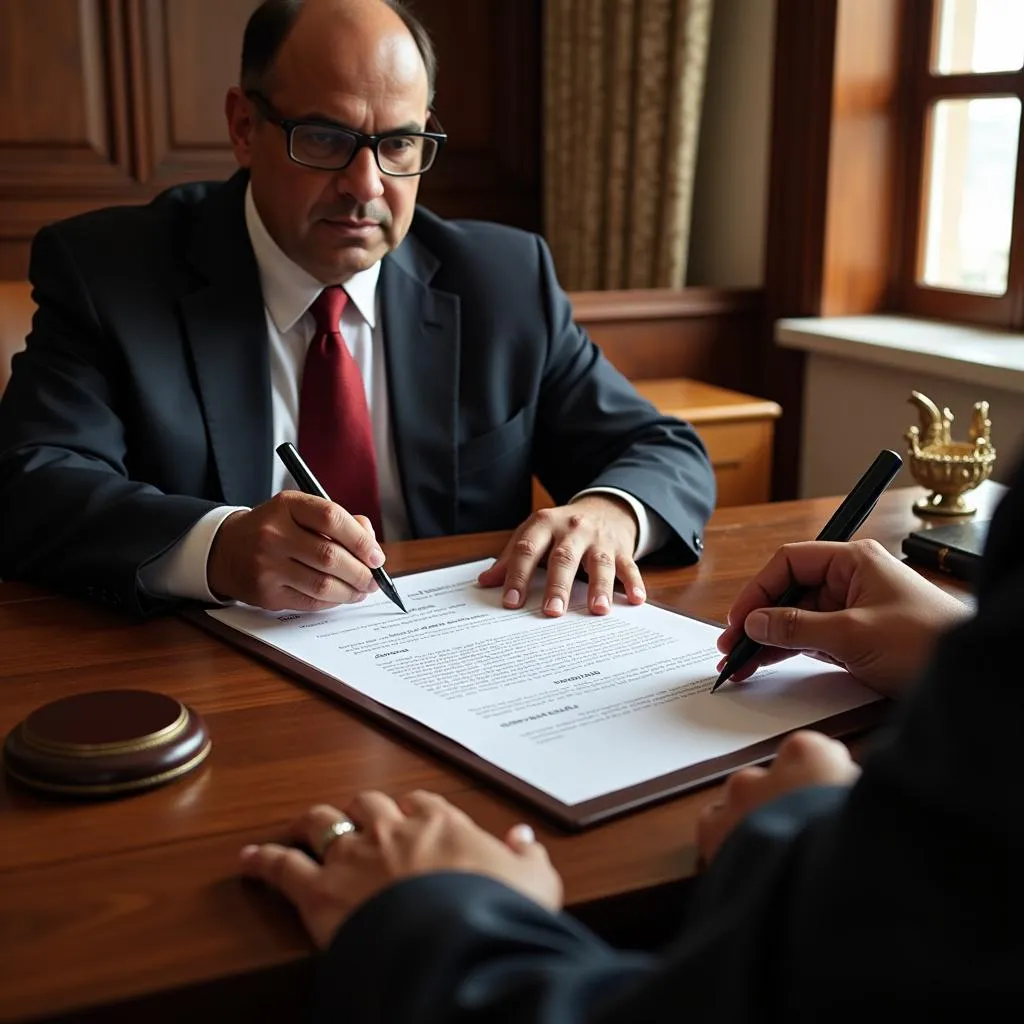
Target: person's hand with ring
[379, 841]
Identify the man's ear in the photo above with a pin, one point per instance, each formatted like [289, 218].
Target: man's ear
[241, 121]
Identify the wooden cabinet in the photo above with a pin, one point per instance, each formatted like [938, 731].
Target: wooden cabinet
[111, 101]
[737, 429]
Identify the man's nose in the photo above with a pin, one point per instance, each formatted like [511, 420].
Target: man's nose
[362, 178]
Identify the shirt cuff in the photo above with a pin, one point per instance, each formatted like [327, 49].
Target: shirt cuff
[652, 531]
[181, 570]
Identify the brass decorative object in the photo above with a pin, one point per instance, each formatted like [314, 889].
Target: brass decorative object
[950, 469]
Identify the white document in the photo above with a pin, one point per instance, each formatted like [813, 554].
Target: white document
[579, 706]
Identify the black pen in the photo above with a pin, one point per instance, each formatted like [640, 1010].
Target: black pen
[845, 522]
[309, 484]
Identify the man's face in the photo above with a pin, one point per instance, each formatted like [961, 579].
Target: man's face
[367, 78]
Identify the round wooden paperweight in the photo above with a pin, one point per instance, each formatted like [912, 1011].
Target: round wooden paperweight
[106, 744]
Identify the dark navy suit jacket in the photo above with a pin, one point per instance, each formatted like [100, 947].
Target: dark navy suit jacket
[902, 899]
[143, 397]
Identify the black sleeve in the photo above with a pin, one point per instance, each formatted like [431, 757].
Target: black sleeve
[70, 516]
[502, 958]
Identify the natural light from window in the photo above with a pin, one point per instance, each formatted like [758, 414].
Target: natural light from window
[979, 36]
[970, 198]
[972, 158]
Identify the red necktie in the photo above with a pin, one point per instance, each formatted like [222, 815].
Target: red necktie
[335, 433]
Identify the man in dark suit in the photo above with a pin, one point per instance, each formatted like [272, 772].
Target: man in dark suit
[832, 894]
[176, 345]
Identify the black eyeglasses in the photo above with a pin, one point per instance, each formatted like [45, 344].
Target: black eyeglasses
[330, 147]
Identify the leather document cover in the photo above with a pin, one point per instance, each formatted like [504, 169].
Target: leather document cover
[955, 549]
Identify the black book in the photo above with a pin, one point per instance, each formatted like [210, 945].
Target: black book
[955, 549]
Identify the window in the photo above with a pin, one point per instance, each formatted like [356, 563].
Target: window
[963, 226]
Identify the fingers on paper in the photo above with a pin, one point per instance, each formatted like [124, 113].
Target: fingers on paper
[494, 574]
[632, 580]
[519, 559]
[601, 569]
[563, 564]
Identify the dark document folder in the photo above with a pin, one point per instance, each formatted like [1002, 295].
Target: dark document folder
[955, 549]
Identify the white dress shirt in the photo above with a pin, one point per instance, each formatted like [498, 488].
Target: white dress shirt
[288, 293]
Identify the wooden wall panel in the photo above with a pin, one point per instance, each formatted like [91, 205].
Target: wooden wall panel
[488, 100]
[185, 54]
[60, 96]
[707, 334]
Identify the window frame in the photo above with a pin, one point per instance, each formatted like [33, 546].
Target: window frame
[920, 88]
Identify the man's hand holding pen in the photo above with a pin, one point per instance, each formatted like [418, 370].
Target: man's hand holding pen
[863, 609]
[295, 551]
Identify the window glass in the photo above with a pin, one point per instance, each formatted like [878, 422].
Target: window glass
[979, 36]
[971, 169]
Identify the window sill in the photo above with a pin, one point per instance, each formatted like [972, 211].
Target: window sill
[970, 355]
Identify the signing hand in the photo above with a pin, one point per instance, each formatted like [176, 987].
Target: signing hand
[866, 610]
[294, 551]
[804, 759]
[597, 533]
[419, 834]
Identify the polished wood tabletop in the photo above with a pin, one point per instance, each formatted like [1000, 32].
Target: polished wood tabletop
[137, 902]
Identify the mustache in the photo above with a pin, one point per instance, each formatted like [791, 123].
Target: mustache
[355, 211]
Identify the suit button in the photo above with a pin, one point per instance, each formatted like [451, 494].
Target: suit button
[698, 543]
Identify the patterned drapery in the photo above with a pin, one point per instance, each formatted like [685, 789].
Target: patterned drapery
[624, 82]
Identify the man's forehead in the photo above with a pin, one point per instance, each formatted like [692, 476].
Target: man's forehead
[353, 63]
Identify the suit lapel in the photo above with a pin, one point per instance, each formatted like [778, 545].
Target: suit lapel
[421, 341]
[227, 333]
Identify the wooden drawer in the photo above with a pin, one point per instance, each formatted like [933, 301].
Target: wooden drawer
[737, 430]
[741, 454]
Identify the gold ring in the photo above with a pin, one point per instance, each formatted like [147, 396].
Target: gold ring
[336, 829]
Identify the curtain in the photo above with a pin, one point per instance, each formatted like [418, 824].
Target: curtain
[623, 86]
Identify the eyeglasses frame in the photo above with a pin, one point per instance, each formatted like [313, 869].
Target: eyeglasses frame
[363, 141]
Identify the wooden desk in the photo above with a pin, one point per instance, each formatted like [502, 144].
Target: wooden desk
[139, 900]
